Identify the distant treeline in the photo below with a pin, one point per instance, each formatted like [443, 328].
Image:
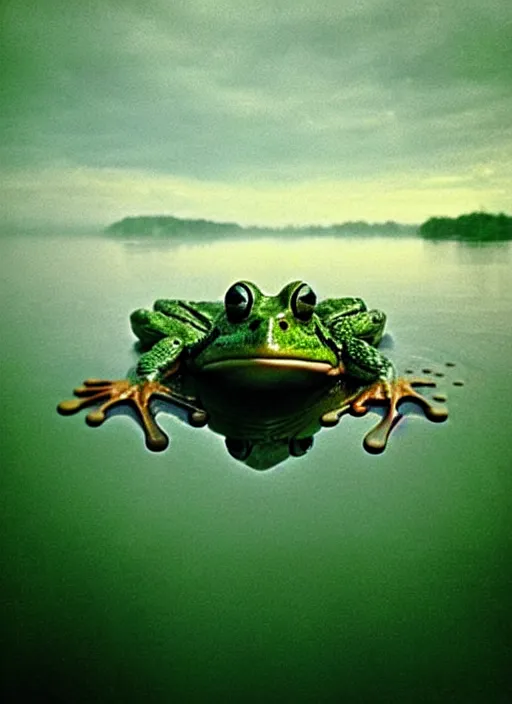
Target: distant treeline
[475, 227]
[169, 226]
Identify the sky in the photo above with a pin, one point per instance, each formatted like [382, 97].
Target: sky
[267, 112]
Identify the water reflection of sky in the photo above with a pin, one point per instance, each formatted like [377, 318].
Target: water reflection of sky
[386, 270]
[339, 562]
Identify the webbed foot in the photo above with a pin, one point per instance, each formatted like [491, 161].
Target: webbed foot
[138, 395]
[391, 394]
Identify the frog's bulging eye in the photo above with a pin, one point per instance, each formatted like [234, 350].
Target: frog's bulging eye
[303, 302]
[238, 302]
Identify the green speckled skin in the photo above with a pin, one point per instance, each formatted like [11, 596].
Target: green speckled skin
[168, 330]
[339, 331]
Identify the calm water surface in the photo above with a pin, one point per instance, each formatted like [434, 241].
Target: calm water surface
[186, 576]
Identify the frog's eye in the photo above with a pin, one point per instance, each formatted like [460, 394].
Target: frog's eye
[303, 302]
[238, 302]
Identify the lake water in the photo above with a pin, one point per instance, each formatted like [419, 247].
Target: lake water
[186, 576]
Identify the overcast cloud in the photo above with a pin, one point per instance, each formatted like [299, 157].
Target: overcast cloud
[255, 110]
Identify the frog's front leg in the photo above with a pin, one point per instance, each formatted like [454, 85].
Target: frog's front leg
[366, 363]
[150, 326]
[147, 382]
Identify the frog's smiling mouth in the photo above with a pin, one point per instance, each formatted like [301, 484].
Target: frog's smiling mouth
[277, 363]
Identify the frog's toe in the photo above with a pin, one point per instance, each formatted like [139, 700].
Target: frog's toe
[92, 392]
[156, 439]
[434, 413]
[67, 408]
[99, 415]
[376, 439]
[95, 418]
[107, 394]
[333, 417]
[88, 397]
[390, 394]
[393, 394]
[358, 408]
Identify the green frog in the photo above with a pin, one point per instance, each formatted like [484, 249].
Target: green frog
[258, 344]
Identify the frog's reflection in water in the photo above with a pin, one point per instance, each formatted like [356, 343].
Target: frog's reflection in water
[267, 454]
[264, 428]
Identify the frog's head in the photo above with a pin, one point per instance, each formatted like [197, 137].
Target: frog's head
[267, 339]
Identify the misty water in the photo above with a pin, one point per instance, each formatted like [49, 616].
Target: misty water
[338, 576]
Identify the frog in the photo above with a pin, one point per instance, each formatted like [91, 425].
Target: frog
[255, 344]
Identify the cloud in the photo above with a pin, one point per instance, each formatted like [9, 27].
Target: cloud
[261, 91]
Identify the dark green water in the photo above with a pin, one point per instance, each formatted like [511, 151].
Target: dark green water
[186, 576]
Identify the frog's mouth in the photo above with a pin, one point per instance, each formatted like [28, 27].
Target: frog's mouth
[276, 364]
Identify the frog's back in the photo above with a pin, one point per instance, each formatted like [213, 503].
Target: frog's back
[200, 314]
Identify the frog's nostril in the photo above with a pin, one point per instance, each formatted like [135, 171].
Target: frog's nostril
[283, 325]
[254, 325]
